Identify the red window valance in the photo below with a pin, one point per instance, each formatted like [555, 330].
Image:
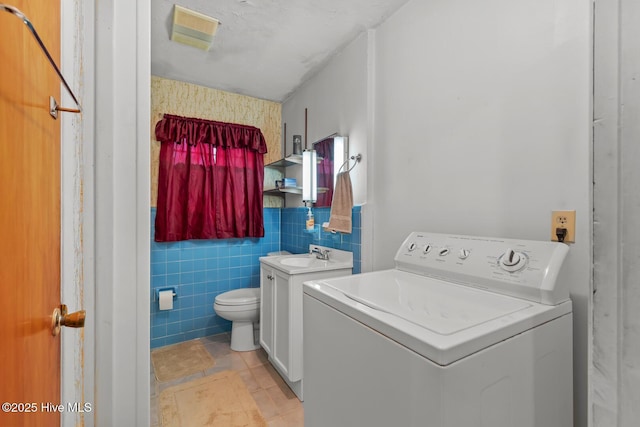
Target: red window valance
[210, 179]
[197, 131]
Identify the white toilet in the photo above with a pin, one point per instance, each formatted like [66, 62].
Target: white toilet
[242, 307]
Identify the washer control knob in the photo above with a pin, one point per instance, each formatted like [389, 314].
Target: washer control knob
[443, 252]
[426, 249]
[412, 246]
[512, 261]
[464, 253]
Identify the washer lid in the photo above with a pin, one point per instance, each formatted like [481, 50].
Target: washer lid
[239, 297]
[440, 320]
[434, 305]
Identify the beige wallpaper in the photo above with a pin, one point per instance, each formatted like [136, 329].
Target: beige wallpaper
[189, 100]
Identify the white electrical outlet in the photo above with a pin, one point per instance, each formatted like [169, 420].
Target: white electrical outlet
[563, 220]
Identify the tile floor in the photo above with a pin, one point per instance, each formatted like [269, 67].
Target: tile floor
[279, 405]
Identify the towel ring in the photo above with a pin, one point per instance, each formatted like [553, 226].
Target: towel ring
[357, 158]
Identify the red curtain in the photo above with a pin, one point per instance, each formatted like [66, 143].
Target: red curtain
[210, 180]
[325, 171]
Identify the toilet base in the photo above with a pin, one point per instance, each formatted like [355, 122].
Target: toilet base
[243, 337]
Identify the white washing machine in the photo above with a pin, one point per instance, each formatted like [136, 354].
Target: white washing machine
[465, 331]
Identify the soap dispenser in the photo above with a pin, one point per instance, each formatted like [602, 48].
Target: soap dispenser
[310, 220]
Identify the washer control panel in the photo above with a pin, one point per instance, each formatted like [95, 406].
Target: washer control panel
[525, 269]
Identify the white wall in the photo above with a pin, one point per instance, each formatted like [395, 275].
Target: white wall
[478, 122]
[336, 101]
[615, 385]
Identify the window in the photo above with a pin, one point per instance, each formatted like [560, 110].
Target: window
[210, 180]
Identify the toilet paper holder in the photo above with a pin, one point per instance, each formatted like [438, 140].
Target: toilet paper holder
[157, 292]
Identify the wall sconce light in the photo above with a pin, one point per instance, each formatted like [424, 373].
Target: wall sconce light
[309, 176]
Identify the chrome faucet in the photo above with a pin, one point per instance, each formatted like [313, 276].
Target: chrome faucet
[322, 254]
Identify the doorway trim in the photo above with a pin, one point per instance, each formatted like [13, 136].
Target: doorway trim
[115, 74]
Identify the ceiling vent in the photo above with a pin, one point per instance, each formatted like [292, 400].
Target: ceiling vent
[193, 28]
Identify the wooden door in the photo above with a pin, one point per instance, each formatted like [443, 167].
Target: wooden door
[29, 217]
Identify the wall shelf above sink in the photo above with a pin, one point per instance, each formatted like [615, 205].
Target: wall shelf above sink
[292, 160]
[291, 190]
[282, 190]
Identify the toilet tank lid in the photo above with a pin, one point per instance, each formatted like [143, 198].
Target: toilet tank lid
[239, 297]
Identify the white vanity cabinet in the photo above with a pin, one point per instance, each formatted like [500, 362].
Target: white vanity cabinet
[281, 314]
[270, 280]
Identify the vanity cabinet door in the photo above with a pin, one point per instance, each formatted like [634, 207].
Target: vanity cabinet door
[267, 283]
[282, 323]
[281, 319]
[295, 326]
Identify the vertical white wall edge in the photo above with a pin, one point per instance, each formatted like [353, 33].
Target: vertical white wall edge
[367, 213]
[143, 211]
[122, 186]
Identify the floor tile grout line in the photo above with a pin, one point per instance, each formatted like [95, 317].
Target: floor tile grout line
[258, 360]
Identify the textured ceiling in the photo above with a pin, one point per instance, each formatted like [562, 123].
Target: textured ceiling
[264, 48]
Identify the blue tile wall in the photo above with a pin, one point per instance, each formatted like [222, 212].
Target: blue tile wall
[295, 239]
[201, 269]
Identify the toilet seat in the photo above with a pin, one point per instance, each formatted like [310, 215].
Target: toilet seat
[245, 296]
[242, 308]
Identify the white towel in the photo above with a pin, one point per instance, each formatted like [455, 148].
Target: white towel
[341, 205]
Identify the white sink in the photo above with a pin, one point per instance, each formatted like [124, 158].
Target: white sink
[298, 262]
[307, 263]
